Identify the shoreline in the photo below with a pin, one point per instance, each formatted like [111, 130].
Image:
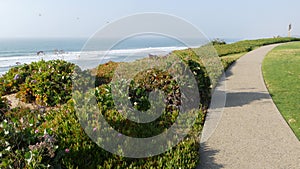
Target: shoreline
[70, 49]
[92, 57]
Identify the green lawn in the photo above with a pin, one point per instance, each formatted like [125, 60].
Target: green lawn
[281, 69]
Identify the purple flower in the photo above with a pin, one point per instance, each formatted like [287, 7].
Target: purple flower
[67, 150]
[46, 136]
[17, 76]
[49, 138]
[41, 107]
[119, 134]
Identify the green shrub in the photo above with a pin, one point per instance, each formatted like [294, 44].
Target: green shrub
[55, 138]
[10, 82]
[22, 145]
[248, 45]
[228, 60]
[104, 73]
[4, 106]
[149, 80]
[218, 42]
[204, 82]
[44, 83]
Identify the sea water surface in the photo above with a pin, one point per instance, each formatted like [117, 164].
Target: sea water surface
[15, 52]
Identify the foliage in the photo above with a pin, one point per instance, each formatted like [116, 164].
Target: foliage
[248, 45]
[228, 60]
[281, 73]
[55, 139]
[146, 82]
[4, 106]
[218, 42]
[44, 83]
[22, 144]
[105, 73]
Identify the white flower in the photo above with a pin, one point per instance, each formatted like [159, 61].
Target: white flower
[30, 125]
[6, 132]
[29, 160]
[5, 121]
[135, 103]
[8, 148]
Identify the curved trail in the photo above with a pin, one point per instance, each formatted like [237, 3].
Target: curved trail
[251, 133]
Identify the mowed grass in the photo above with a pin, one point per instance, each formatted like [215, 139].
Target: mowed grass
[281, 69]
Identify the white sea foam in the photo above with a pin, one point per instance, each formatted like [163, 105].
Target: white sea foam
[86, 59]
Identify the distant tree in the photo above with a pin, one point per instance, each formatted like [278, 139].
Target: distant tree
[218, 42]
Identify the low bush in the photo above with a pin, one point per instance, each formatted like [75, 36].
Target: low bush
[228, 60]
[44, 83]
[55, 139]
[22, 145]
[248, 45]
[104, 73]
[218, 42]
[4, 106]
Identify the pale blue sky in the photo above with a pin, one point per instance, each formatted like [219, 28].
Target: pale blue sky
[217, 19]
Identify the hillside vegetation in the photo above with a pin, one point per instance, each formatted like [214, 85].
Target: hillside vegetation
[51, 136]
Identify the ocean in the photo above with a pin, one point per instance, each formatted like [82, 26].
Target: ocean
[14, 52]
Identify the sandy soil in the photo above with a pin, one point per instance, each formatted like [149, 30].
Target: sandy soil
[15, 102]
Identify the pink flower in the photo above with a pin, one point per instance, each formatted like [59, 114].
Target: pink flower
[67, 150]
[36, 131]
[94, 129]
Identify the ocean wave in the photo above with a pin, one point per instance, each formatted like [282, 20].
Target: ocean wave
[85, 57]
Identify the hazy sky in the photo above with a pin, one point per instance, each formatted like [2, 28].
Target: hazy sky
[217, 19]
